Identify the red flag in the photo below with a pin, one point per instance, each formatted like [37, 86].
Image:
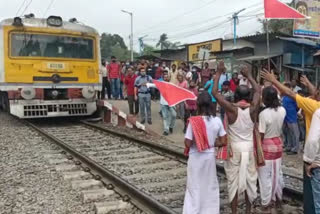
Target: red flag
[172, 93]
[274, 9]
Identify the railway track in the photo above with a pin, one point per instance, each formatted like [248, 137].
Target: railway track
[151, 176]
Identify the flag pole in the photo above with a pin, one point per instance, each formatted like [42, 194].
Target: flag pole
[268, 44]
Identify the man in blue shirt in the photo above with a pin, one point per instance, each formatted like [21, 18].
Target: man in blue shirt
[209, 86]
[142, 92]
[290, 125]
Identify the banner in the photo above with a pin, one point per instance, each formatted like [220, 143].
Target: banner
[211, 46]
[308, 27]
[172, 93]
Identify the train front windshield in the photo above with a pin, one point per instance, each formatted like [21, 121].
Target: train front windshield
[51, 46]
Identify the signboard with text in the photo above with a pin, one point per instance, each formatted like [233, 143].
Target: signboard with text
[211, 46]
[307, 27]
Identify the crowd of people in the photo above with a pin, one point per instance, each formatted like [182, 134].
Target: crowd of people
[253, 122]
[256, 124]
[124, 80]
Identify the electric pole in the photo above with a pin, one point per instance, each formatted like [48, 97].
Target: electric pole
[235, 20]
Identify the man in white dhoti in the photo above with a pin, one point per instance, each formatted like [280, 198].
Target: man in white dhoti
[202, 193]
[270, 127]
[241, 166]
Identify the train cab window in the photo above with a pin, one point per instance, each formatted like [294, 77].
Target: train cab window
[38, 45]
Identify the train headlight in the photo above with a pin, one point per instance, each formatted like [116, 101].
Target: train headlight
[54, 94]
[88, 92]
[28, 93]
[54, 21]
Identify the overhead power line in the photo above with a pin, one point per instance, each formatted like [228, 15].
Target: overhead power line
[27, 6]
[208, 28]
[217, 26]
[49, 6]
[20, 7]
[202, 22]
[203, 30]
[252, 12]
[176, 17]
[191, 25]
[198, 32]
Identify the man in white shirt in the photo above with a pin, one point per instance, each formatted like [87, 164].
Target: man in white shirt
[311, 158]
[173, 73]
[168, 113]
[104, 76]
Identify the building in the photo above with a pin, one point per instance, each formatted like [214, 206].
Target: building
[179, 54]
[289, 56]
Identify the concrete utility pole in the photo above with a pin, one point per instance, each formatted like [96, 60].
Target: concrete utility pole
[235, 19]
[131, 37]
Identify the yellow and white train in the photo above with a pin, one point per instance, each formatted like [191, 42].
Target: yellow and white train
[48, 67]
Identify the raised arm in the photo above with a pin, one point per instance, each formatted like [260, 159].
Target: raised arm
[282, 88]
[229, 108]
[305, 81]
[255, 104]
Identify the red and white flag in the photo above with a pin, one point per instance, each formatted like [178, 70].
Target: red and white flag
[173, 94]
[274, 9]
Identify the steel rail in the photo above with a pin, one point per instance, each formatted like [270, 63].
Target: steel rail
[145, 199]
[164, 149]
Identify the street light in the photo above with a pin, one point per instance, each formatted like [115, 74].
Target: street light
[131, 37]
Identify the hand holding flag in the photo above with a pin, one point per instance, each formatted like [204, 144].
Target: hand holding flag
[173, 94]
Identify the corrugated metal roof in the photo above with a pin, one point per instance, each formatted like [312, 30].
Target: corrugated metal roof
[259, 57]
[261, 37]
[300, 41]
[299, 68]
[169, 50]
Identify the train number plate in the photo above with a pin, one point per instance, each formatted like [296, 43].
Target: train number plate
[56, 66]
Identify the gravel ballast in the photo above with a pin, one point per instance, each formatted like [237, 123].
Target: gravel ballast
[28, 182]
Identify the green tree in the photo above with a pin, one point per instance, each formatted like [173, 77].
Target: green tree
[163, 42]
[174, 45]
[119, 52]
[148, 50]
[278, 26]
[113, 45]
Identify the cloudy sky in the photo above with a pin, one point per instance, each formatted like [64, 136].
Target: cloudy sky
[186, 21]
